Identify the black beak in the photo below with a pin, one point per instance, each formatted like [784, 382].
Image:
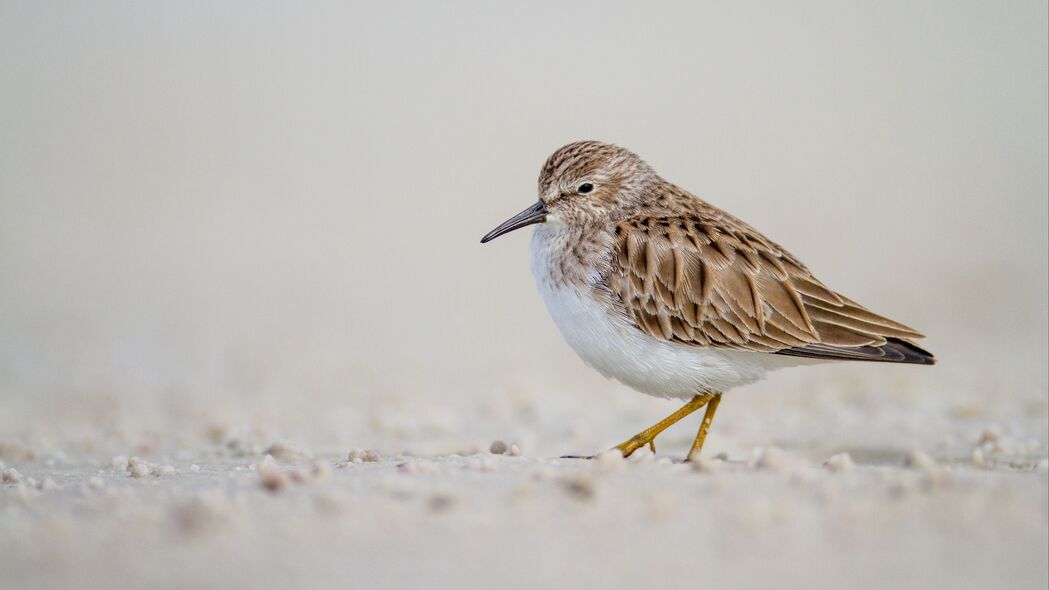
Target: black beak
[534, 214]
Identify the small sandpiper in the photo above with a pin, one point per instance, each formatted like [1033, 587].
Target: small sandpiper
[676, 298]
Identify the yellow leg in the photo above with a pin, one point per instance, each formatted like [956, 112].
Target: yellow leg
[704, 428]
[648, 435]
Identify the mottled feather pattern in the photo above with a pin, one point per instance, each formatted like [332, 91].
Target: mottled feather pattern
[693, 274]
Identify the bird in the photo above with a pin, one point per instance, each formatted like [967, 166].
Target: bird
[666, 293]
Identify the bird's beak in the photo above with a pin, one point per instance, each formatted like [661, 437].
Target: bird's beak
[534, 214]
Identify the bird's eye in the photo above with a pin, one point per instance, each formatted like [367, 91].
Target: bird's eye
[585, 188]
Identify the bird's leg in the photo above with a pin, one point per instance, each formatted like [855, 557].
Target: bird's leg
[648, 435]
[704, 427]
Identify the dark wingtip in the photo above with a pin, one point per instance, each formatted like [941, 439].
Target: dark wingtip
[895, 350]
[912, 352]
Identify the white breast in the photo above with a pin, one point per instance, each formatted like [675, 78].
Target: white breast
[617, 349]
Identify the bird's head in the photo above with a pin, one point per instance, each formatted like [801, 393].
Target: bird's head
[584, 182]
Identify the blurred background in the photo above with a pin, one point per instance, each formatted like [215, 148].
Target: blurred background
[224, 225]
[261, 203]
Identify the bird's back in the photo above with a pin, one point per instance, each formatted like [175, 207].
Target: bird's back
[687, 272]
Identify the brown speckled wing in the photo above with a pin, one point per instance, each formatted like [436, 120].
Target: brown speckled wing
[705, 278]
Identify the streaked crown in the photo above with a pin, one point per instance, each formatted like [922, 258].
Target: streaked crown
[609, 170]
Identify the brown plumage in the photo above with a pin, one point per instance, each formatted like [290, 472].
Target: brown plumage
[665, 292]
[694, 274]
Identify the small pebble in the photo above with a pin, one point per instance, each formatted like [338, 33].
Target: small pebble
[138, 468]
[498, 448]
[919, 460]
[515, 451]
[288, 452]
[839, 463]
[11, 475]
[273, 479]
[362, 456]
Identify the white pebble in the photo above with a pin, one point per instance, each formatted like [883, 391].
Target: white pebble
[288, 452]
[11, 475]
[515, 451]
[920, 460]
[138, 468]
[840, 462]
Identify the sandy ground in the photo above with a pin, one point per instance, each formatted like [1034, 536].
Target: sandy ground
[824, 478]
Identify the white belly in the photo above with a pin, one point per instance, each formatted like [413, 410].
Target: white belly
[617, 349]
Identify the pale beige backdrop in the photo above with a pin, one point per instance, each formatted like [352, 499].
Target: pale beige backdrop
[265, 215]
[194, 191]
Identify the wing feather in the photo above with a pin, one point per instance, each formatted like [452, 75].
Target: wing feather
[707, 279]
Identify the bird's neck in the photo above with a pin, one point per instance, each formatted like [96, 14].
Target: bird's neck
[570, 256]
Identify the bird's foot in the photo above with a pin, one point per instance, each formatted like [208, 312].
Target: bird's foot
[636, 442]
